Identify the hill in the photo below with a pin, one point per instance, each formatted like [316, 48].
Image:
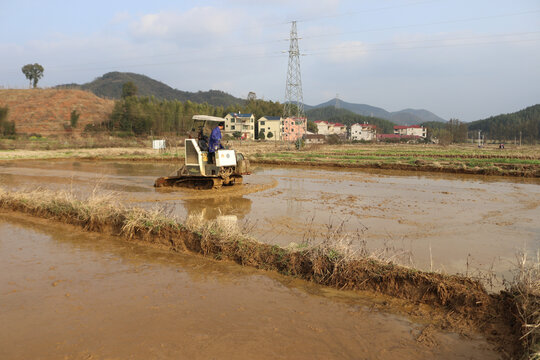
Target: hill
[402, 117]
[525, 122]
[330, 113]
[110, 86]
[423, 115]
[46, 111]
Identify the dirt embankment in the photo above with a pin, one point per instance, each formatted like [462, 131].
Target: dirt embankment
[48, 111]
[464, 300]
[419, 165]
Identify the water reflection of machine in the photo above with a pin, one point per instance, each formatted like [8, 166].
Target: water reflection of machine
[211, 208]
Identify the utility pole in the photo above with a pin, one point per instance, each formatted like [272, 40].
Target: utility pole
[520, 138]
[479, 139]
[293, 89]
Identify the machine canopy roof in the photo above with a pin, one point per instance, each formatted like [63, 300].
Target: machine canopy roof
[208, 118]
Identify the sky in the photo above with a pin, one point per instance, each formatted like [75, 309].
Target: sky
[464, 59]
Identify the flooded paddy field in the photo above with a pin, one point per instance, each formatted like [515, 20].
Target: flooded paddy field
[444, 222]
[75, 295]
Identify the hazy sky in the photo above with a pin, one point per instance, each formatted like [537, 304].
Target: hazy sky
[465, 59]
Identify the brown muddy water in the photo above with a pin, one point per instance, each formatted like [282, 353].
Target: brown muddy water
[65, 294]
[443, 222]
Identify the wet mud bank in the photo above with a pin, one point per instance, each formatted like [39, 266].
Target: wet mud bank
[467, 303]
[529, 171]
[86, 295]
[419, 165]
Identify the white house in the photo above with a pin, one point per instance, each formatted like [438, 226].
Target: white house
[366, 132]
[413, 130]
[340, 129]
[324, 127]
[243, 123]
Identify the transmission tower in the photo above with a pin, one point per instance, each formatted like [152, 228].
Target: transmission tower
[293, 90]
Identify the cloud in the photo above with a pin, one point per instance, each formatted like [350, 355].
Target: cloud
[120, 18]
[346, 52]
[200, 22]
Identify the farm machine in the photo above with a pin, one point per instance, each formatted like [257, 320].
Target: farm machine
[198, 172]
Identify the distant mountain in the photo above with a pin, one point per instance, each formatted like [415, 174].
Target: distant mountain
[362, 109]
[110, 86]
[347, 117]
[402, 117]
[423, 115]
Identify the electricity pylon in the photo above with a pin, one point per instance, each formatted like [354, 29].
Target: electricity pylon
[293, 90]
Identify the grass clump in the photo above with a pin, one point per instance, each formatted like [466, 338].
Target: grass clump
[522, 296]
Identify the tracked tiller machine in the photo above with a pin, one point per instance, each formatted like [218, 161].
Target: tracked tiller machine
[198, 172]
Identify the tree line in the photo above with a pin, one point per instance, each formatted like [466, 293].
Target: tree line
[452, 131]
[524, 124]
[134, 115]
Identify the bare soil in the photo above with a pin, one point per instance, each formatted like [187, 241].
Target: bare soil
[46, 111]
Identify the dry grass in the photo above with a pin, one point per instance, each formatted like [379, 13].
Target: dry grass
[45, 111]
[523, 296]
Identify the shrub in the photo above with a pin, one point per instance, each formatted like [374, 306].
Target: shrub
[74, 119]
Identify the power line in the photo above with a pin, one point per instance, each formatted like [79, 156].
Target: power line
[175, 62]
[240, 45]
[374, 45]
[424, 24]
[367, 11]
[310, 52]
[423, 47]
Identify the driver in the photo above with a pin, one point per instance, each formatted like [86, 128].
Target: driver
[215, 142]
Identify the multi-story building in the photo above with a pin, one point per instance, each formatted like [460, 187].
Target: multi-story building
[271, 124]
[324, 127]
[293, 128]
[413, 130]
[242, 123]
[329, 128]
[366, 132]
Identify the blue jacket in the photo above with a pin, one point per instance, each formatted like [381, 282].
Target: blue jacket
[215, 140]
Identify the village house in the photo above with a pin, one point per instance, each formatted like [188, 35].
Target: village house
[340, 130]
[242, 123]
[413, 130]
[293, 128]
[365, 132]
[329, 128]
[311, 138]
[270, 125]
[324, 127]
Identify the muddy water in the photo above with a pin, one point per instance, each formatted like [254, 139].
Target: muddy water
[71, 295]
[452, 223]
